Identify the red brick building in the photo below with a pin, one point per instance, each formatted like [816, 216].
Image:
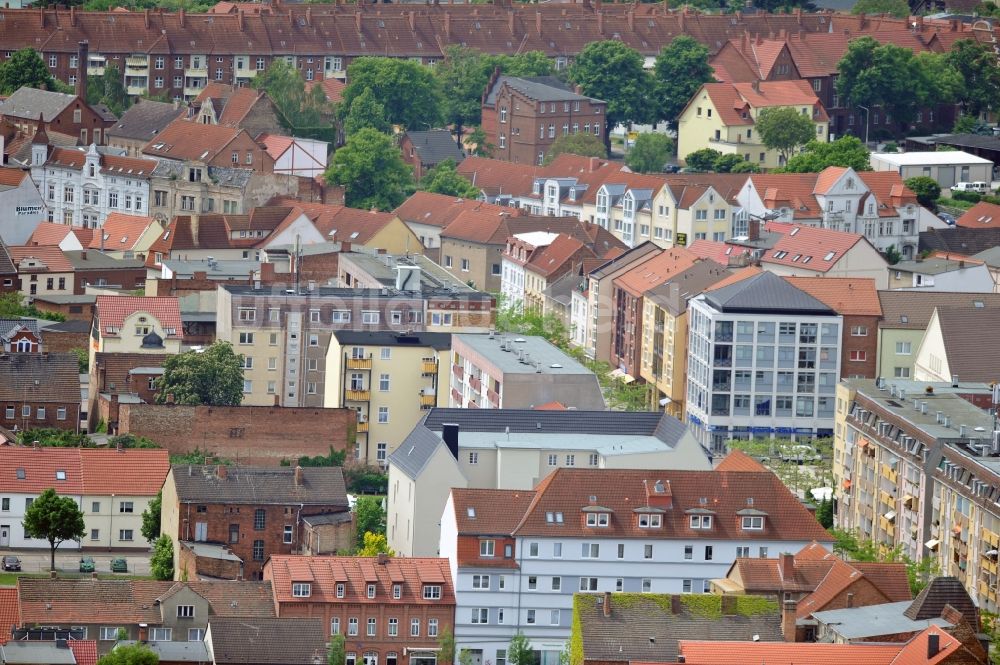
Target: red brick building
[251, 512]
[522, 117]
[20, 336]
[391, 610]
[40, 390]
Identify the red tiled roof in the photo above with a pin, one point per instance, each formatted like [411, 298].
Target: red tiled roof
[75, 158]
[356, 573]
[482, 226]
[823, 247]
[889, 578]
[495, 176]
[711, 249]
[786, 653]
[440, 210]
[186, 140]
[737, 460]
[554, 256]
[85, 651]
[333, 88]
[275, 144]
[133, 472]
[488, 512]
[120, 232]
[828, 178]
[550, 406]
[845, 295]
[734, 277]
[655, 270]
[980, 216]
[9, 614]
[40, 466]
[11, 177]
[236, 101]
[49, 234]
[52, 257]
[338, 223]
[113, 310]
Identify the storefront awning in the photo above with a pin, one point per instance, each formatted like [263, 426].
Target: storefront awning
[891, 515]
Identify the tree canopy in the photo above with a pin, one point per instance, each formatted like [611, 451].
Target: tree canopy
[702, 160]
[337, 655]
[213, 377]
[54, 518]
[733, 163]
[977, 65]
[611, 71]
[519, 650]
[407, 91]
[301, 112]
[650, 152]
[161, 564]
[895, 8]
[374, 544]
[151, 518]
[365, 111]
[108, 88]
[680, 70]
[369, 517]
[370, 168]
[784, 129]
[25, 68]
[130, 654]
[585, 145]
[847, 151]
[444, 179]
[926, 188]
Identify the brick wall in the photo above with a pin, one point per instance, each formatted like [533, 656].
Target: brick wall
[866, 345]
[261, 435]
[64, 342]
[329, 538]
[190, 566]
[129, 279]
[73, 312]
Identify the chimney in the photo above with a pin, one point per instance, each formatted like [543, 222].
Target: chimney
[195, 223]
[630, 15]
[850, 600]
[298, 476]
[538, 23]
[787, 564]
[753, 229]
[221, 471]
[239, 20]
[180, 16]
[607, 604]
[510, 20]
[728, 603]
[933, 645]
[382, 558]
[413, 21]
[309, 17]
[449, 432]
[600, 23]
[72, 16]
[145, 18]
[675, 604]
[788, 620]
[83, 57]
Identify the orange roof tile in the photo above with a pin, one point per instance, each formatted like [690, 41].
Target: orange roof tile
[120, 232]
[440, 210]
[655, 270]
[980, 216]
[554, 256]
[550, 406]
[737, 276]
[113, 310]
[786, 653]
[809, 247]
[85, 651]
[134, 472]
[338, 223]
[737, 460]
[42, 468]
[796, 92]
[828, 178]
[49, 234]
[712, 250]
[9, 614]
[489, 512]
[845, 295]
[52, 257]
[186, 140]
[10, 177]
[495, 176]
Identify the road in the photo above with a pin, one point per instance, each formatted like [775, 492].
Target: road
[36, 561]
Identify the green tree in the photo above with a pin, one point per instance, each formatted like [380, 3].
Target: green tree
[465, 657]
[365, 111]
[161, 564]
[733, 163]
[612, 71]
[369, 517]
[824, 514]
[444, 179]
[744, 167]
[446, 647]
[25, 68]
[82, 359]
[371, 169]
[895, 8]
[519, 650]
[337, 655]
[54, 518]
[407, 90]
[109, 89]
[585, 145]
[529, 63]
[213, 377]
[702, 160]
[784, 129]
[892, 255]
[926, 188]
[298, 110]
[130, 654]
[151, 518]
[680, 70]
[847, 151]
[966, 124]
[977, 65]
[650, 152]
[478, 144]
[373, 544]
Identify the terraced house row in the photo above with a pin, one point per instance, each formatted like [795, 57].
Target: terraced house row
[178, 53]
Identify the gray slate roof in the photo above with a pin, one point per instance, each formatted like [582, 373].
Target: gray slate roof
[176, 652]
[144, 120]
[200, 483]
[972, 355]
[960, 240]
[40, 378]
[439, 341]
[646, 630]
[673, 295]
[278, 641]
[6, 265]
[941, 591]
[765, 292]
[416, 450]
[539, 88]
[912, 310]
[36, 653]
[435, 146]
[29, 102]
[875, 620]
[8, 325]
[98, 261]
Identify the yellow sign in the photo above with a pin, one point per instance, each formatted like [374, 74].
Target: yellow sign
[682, 239]
[633, 136]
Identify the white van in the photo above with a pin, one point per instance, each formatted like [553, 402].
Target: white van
[978, 187]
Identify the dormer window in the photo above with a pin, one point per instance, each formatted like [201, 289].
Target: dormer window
[340, 589]
[553, 517]
[597, 519]
[432, 592]
[753, 523]
[301, 589]
[371, 590]
[648, 521]
[397, 591]
[487, 548]
[701, 521]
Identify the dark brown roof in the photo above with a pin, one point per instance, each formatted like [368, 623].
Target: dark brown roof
[972, 355]
[941, 591]
[277, 641]
[200, 483]
[6, 265]
[912, 310]
[144, 120]
[52, 377]
[964, 241]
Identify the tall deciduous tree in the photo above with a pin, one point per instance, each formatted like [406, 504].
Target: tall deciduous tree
[374, 544]
[408, 91]
[612, 71]
[784, 129]
[161, 564]
[444, 179]
[519, 650]
[369, 517]
[108, 89]
[478, 143]
[650, 152]
[680, 70]
[895, 8]
[926, 188]
[25, 68]
[131, 654]
[298, 110]
[213, 377]
[702, 160]
[371, 170]
[446, 647]
[847, 151]
[585, 145]
[977, 65]
[365, 111]
[337, 655]
[53, 518]
[151, 518]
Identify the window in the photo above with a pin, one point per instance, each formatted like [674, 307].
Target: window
[393, 627]
[901, 372]
[258, 550]
[397, 591]
[125, 535]
[859, 356]
[465, 265]
[432, 627]
[185, 611]
[903, 348]
[532, 549]
[487, 547]
[753, 523]
[246, 338]
[383, 414]
[301, 589]
[532, 582]
[859, 331]
[352, 626]
[647, 585]
[557, 549]
[588, 584]
[701, 521]
[414, 627]
[481, 582]
[480, 615]
[383, 383]
[161, 634]
[286, 536]
[6, 503]
[649, 521]
[530, 617]
[371, 626]
[335, 626]
[594, 459]
[109, 632]
[196, 634]
[590, 550]
[473, 458]
[125, 507]
[556, 583]
[742, 552]
[369, 318]
[259, 517]
[689, 551]
[340, 590]
[570, 460]
[432, 592]
[708, 552]
[597, 519]
[553, 460]
[686, 586]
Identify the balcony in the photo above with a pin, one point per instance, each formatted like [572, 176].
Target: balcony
[245, 73]
[358, 395]
[428, 366]
[132, 89]
[457, 396]
[475, 384]
[362, 426]
[136, 65]
[459, 372]
[493, 397]
[428, 400]
[359, 363]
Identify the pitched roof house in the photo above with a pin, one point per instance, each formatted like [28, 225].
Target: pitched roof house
[40, 390]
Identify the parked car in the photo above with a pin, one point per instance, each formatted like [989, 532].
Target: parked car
[671, 168]
[11, 563]
[119, 565]
[978, 187]
[87, 564]
[946, 218]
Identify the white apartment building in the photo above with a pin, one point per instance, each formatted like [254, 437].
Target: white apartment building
[763, 360]
[81, 187]
[520, 249]
[517, 557]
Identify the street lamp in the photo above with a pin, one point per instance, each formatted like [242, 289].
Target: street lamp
[867, 114]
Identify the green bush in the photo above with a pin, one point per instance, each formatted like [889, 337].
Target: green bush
[971, 197]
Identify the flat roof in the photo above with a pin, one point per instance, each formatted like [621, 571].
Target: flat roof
[37, 653]
[550, 359]
[875, 620]
[190, 652]
[215, 270]
[934, 158]
[210, 550]
[933, 266]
